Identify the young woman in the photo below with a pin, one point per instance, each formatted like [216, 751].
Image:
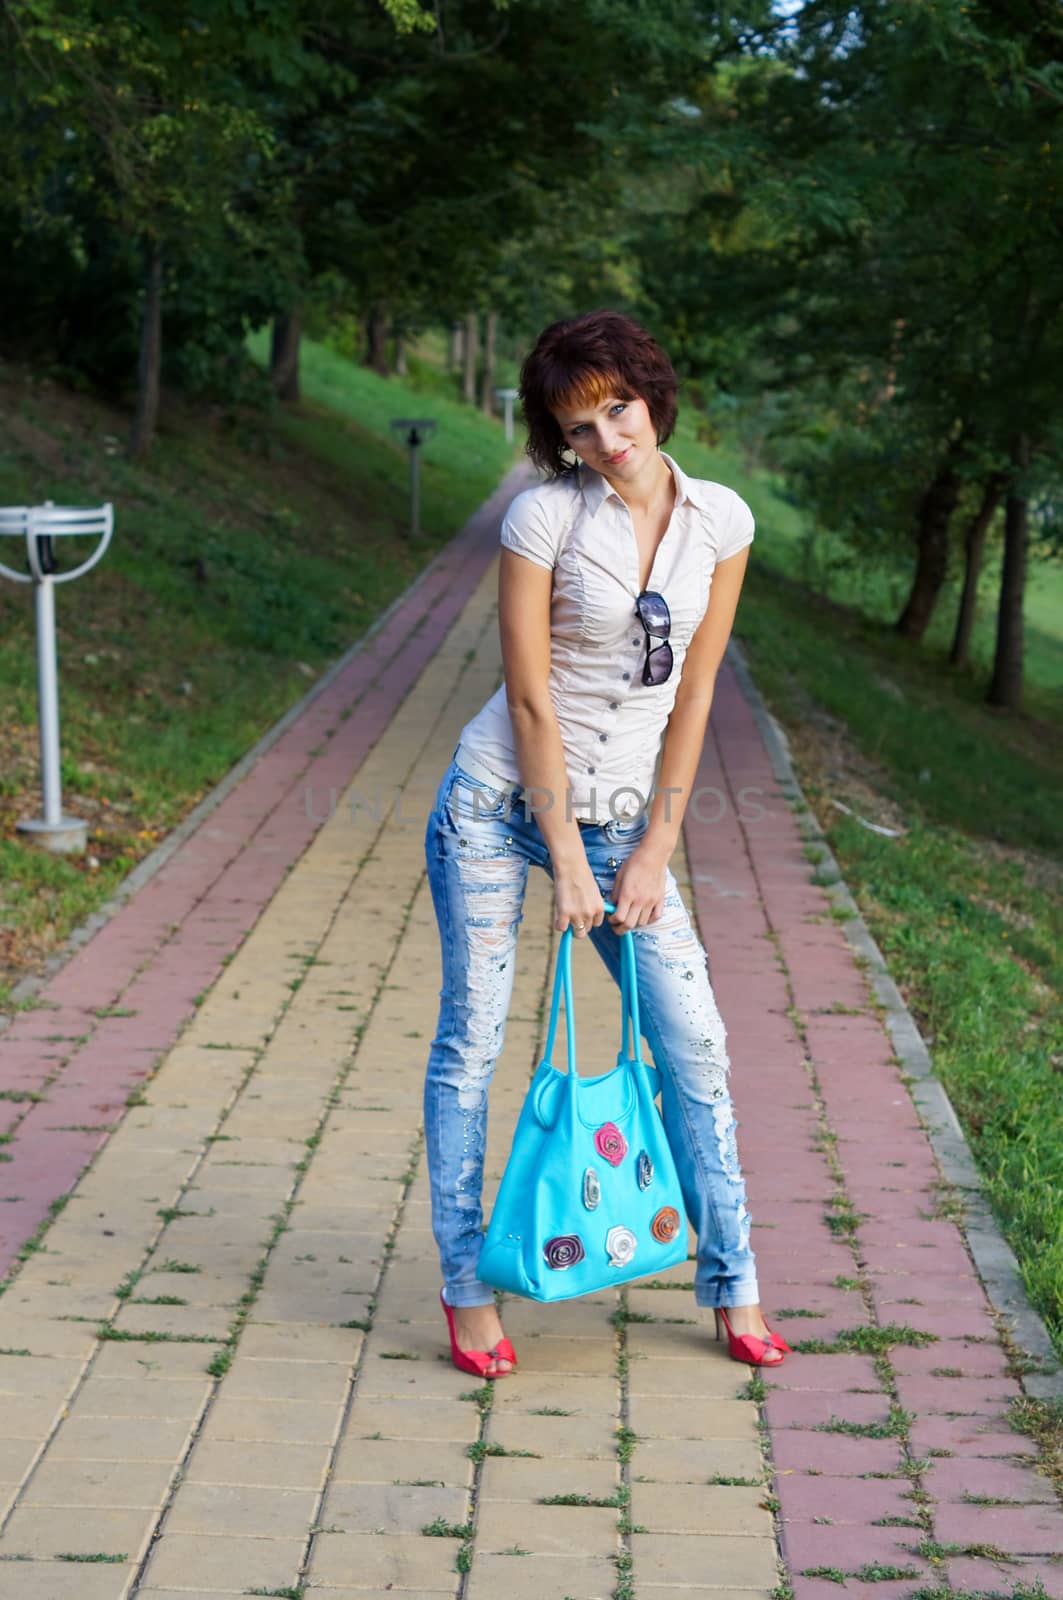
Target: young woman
[617, 591]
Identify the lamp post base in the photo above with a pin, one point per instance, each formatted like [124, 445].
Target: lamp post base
[70, 836]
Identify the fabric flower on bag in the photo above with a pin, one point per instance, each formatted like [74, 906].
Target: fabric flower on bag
[620, 1245]
[610, 1143]
[665, 1225]
[563, 1251]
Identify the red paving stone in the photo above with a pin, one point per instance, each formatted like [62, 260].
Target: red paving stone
[978, 1573]
[850, 1546]
[860, 1500]
[1000, 1480]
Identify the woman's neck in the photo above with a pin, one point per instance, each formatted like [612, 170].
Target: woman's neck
[645, 493]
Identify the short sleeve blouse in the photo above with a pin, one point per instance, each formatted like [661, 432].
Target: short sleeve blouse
[611, 723]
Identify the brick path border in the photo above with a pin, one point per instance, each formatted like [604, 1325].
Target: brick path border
[991, 1252]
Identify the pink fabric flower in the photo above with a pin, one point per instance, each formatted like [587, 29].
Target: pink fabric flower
[610, 1143]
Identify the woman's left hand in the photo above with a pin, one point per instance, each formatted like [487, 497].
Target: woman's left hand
[638, 890]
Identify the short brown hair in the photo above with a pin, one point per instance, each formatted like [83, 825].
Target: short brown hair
[583, 358]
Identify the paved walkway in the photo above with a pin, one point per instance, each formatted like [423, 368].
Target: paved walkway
[221, 1365]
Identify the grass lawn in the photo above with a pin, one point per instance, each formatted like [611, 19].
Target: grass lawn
[966, 904]
[249, 552]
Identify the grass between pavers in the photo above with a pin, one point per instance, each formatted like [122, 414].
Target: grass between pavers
[250, 551]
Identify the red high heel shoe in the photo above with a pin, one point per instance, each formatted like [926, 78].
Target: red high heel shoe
[749, 1347]
[476, 1361]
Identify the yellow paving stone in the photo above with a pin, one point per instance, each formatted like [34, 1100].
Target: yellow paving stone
[587, 1397]
[233, 1201]
[39, 1375]
[98, 1483]
[540, 1577]
[48, 1532]
[241, 1509]
[657, 1591]
[389, 1460]
[47, 1303]
[16, 1457]
[575, 1319]
[545, 1353]
[222, 1171]
[414, 1419]
[701, 1380]
[695, 1418]
[300, 1342]
[390, 1508]
[591, 1437]
[209, 1321]
[71, 1580]
[217, 1561]
[697, 1460]
[332, 1593]
[30, 1416]
[503, 1525]
[687, 1338]
[697, 1508]
[329, 1307]
[198, 1288]
[398, 1562]
[724, 1560]
[381, 1378]
[314, 1381]
[273, 1421]
[229, 1461]
[517, 1478]
[163, 1362]
[140, 1397]
[120, 1439]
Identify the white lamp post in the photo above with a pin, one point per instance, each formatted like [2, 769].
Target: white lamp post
[507, 397]
[39, 526]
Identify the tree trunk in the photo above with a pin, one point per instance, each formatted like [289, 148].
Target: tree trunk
[376, 340]
[455, 348]
[469, 353]
[973, 547]
[932, 563]
[1005, 689]
[487, 380]
[402, 367]
[284, 355]
[150, 360]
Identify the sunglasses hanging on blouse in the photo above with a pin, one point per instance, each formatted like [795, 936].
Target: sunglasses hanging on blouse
[652, 611]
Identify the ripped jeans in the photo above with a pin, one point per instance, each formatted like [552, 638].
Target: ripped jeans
[479, 843]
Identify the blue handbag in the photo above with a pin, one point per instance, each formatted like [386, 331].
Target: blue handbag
[590, 1197]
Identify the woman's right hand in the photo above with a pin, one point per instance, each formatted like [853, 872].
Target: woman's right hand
[577, 901]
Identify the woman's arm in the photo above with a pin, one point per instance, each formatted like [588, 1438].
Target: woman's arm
[639, 889]
[524, 624]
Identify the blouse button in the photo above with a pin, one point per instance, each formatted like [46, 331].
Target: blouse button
[602, 737]
[614, 705]
[591, 771]
[627, 677]
[636, 641]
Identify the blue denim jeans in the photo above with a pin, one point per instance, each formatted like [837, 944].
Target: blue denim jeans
[479, 844]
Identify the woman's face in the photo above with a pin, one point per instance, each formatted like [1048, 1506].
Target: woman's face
[614, 436]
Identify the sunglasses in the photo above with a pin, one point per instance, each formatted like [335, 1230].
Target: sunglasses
[656, 619]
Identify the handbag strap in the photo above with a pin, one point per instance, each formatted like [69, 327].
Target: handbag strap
[631, 1032]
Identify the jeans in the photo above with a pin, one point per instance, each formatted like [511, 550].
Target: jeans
[479, 843]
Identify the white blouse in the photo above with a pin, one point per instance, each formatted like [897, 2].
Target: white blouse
[612, 725]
